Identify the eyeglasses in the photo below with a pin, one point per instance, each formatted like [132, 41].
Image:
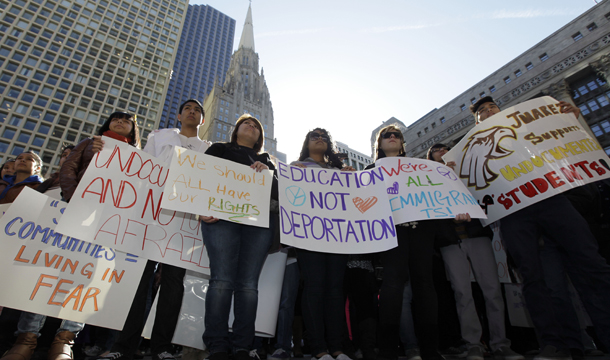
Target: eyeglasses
[439, 149]
[122, 120]
[314, 136]
[388, 134]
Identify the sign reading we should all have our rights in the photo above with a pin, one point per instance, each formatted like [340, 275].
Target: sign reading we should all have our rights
[356, 211]
[207, 185]
[46, 272]
[525, 154]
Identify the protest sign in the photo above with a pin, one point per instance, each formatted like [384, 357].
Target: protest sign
[422, 189]
[49, 273]
[118, 204]
[3, 208]
[190, 326]
[208, 185]
[525, 154]
[334, 211]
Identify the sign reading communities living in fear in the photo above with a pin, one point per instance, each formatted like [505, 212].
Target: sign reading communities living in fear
[207, 185]
[525, 154]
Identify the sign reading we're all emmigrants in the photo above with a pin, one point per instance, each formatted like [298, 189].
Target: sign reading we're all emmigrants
[118, 204]
[46, 272]
[525, 154]
[207, 185]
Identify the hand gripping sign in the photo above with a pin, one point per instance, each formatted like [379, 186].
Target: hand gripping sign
[525, 154]
[49, 273]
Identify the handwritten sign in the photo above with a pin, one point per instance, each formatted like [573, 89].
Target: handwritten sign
[190, 326]
[118, 204]
[422, 189]
[334, 211]
[525, 154]
[211, 186]
[49, 273]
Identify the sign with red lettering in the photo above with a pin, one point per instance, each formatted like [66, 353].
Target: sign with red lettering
[118, 204]
[211, 186]
[49, 273]
[332, 211]
[423, 189]
[525, 154]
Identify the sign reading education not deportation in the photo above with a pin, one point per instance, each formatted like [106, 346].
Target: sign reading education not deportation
[422, 189]
[334, 211]
[118, 204]
[211, 186]
[525, 154]
[46, 272]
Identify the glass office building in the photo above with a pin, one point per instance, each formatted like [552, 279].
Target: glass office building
[65, 65]
[203, 56]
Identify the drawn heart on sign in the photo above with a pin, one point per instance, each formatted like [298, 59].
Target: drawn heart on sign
[364, 205]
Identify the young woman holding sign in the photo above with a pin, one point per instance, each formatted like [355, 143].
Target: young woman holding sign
[120, 126]
[411, 261]
[237, 253]
[323, 302]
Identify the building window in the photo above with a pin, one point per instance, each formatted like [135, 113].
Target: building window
[419, 134]
[218, 135]
[592, 26]
[584, 110]
[593, 105]
[518, 73]
[603, 101]
[544, 57]
[473, 100]
[482, 95]
[463, 107]
[433, 125]
[492, 89]
[577, 36]
[607, 16]
[529, 66]
[442, 120]
[507, 79]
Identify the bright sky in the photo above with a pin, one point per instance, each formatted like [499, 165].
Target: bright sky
[348, 65]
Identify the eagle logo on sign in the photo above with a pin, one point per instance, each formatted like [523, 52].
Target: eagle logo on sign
[481, 147]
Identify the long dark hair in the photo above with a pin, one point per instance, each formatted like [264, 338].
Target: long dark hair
[261, 137]
[135, 131]
[330, 155]
[380, 153]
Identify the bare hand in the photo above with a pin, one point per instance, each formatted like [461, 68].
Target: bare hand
[462, 217]
[451, 164]
[566, 108]
[347, 168]
[302, 166]
[208, 219]
[259, 166]
[98, 144]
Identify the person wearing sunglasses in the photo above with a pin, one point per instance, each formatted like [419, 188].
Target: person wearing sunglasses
[411, 260]
[323, 305]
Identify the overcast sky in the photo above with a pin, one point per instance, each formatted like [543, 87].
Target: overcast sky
[349, 65]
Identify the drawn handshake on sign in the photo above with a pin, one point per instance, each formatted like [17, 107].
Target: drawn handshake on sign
[394, 189]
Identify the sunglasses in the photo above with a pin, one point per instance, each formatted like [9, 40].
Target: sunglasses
[439, 149]
[314, 136]
[388, 134]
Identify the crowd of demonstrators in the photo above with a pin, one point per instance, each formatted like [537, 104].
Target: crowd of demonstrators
[551, 242]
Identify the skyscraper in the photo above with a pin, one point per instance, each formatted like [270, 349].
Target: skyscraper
[243, 91]
[203, 55]
[65, 65]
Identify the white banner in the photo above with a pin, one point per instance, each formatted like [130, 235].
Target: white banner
[191, 324]
[422, 189]
[46, 272]
[118, 204]
[332, 211]
[207, 185]
[525, 154]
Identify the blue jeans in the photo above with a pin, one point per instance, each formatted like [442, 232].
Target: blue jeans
[290, 289]
[407, 329]
[33, 323]
[237, 253]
